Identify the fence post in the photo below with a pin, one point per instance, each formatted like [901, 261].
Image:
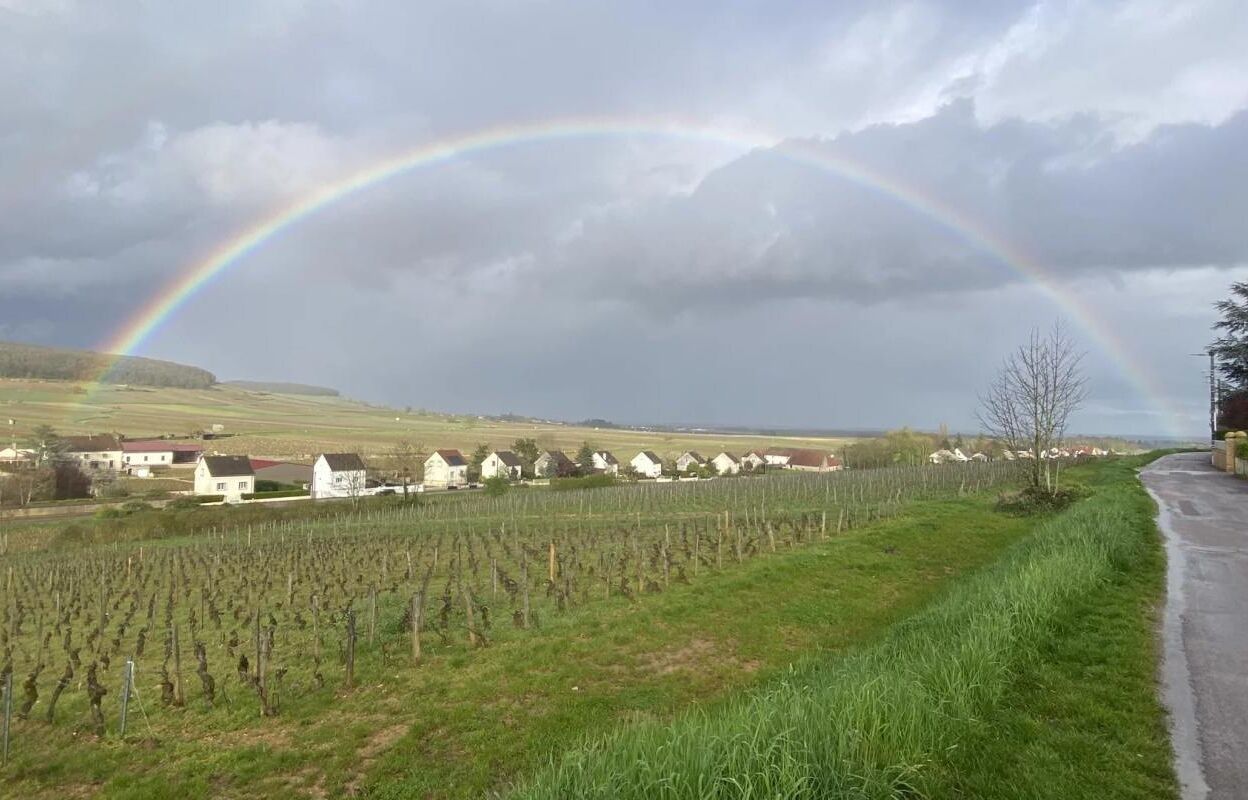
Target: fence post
[8, 715]
[418, 605]
[127, 681]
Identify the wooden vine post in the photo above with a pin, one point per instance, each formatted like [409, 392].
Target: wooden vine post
[179, 698]
[350, 676]
[418, 607]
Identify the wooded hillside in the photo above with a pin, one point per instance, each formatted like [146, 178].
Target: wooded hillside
[51, 363]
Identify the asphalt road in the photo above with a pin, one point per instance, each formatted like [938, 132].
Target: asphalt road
[1204, 517]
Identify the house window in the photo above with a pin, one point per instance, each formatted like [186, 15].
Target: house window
[144, 458]
[242, 484]
[221, 486]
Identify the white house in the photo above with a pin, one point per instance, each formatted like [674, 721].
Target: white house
[777, 456]
[808, 460]
[230, 476]
[726, 464]
[647, 464]
[102, 452]
[944, 456]
[446, 469]
[689, 459]
[15, 455]
[502, 464]
[338, 475]
[753, 460]
[135, 456]
[553, 464]
[603, 460]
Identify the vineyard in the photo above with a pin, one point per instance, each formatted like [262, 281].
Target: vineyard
[280, 620]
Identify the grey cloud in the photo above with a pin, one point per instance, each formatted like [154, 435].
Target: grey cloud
[136, 138]
[764, 226]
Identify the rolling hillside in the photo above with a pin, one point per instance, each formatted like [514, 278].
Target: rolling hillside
[298, 426]
[18, 360]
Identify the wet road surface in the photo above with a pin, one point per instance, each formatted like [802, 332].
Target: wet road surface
[1204, 517]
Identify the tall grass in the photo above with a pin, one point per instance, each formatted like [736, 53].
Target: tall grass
[868, 725]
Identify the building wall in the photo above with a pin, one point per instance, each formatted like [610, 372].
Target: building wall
[726, 466]
[601, 463]
[684, 462]
[233, 487]
[108, 459]
[493, 467]
[327, 483]
[439, 474]
[645, 467]
[156, 459]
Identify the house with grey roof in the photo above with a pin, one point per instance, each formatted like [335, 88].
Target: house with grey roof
[446, 469]
[229, 476]
[502, 464]
[338, 475]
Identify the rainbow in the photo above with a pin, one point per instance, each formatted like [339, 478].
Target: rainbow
[140, 326]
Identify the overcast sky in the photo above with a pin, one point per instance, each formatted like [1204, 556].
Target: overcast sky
[639, 278]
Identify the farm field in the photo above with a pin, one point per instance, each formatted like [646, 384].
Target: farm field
[300, 426]
[545, 620]
[643, 616]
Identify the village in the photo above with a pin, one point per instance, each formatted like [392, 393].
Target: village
[241, 478]
[213, 477]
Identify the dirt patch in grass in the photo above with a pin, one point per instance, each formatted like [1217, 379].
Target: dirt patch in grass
[374, 746]
[690, 656]
[696, 655]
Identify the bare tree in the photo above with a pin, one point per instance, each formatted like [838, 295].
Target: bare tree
[354, 483]
[1030, 402]
[406, 460]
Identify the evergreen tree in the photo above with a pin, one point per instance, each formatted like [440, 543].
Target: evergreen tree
[1231, 348]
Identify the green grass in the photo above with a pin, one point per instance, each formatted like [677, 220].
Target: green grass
[949, 651]
[941, 705]
[465, 723]
[1081, 719]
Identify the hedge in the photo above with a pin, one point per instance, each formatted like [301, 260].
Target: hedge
[268, 495]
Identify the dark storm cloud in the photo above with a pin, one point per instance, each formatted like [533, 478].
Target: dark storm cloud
[1103, 141]
[1063, 195]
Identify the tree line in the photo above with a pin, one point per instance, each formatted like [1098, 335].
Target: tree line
[19, 360]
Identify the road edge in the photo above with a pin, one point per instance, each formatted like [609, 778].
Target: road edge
[1177, 694]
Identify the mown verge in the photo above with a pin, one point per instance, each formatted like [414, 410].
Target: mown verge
[925, 711]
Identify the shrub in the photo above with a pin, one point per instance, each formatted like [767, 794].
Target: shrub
[1033, 500]
[587, 482]
[71, 535]
[1241, 449]
[496, 486]
[277, 493]
[275, 486]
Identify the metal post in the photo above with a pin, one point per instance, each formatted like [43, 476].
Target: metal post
[1213, 394]
[8, 714]
[127, 681]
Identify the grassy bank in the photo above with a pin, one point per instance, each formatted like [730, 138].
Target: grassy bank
[942, 703]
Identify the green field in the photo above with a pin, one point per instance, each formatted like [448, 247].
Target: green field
[659, 604]
[301, 426]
